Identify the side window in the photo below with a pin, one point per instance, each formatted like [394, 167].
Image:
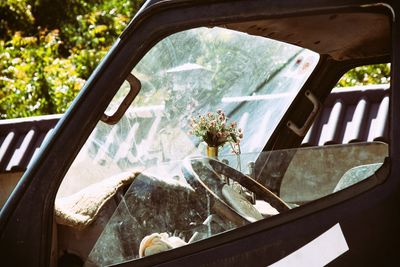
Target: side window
[356, 110]
[348, 141]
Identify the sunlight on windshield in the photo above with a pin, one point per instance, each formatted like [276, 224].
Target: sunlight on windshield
[253, 79]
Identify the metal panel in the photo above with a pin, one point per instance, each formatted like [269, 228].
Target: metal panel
[20, 139]
[349, 115]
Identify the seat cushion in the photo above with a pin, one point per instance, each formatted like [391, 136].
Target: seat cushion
[81, 208]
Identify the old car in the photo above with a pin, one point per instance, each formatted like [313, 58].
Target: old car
[121, 181]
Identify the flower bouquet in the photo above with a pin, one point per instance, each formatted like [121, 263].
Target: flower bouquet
[214, 130]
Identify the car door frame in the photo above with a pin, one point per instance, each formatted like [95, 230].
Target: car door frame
[26, 229]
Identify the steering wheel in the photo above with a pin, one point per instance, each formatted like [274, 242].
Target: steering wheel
[204, 175]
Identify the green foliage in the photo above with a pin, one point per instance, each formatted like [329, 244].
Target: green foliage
[364, 75]
[15, 15]
[30, 76]
[48, 48]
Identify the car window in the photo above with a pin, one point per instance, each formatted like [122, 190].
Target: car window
[354, 115]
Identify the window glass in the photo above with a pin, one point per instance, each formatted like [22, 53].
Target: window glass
[253, 79]
[177, 203]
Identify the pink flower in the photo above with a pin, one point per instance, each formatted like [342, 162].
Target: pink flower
[212, 128]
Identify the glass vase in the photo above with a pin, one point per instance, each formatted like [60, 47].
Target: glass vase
[212, 152]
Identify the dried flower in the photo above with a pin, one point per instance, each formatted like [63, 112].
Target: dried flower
[212, 129]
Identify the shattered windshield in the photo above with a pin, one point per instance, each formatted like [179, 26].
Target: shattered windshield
[252, 79]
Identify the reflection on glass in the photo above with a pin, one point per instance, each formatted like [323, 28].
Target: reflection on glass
[252, 78]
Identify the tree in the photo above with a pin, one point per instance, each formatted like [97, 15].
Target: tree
[48, 48]
[364, 75]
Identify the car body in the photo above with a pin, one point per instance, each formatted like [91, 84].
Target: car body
[311, 44]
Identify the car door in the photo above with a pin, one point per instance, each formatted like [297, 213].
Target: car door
[356, 226]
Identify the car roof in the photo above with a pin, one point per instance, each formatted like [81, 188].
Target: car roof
[342, 35]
